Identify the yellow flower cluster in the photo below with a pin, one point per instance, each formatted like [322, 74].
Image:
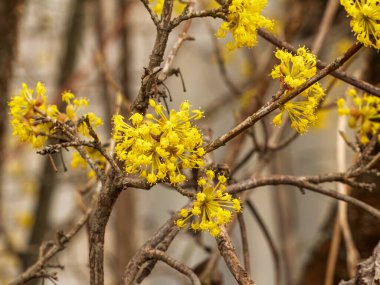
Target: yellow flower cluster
[364, 114]
[212, 206]
[32, 120]
[293, 71]
[158, 148]
[244, 19]
[27, 112]
[365, 22]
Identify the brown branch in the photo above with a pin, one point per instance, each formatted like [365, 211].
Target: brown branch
[153, 16]
[214, 13]
[179, 266]
[301, 183]
[162, 246]
[133, 266]
[333, 254]
[149, 79]
[244, 241]
[102, 210]
[228, 252]
[271, 106]
[182, 37]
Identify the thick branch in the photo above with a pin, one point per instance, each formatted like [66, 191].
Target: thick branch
[98, 221]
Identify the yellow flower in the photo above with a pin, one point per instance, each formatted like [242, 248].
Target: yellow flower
[159, 147]
[365, 22]
[212, 206]
[27, 111]
[32, 120]
[363, 113]
[243, 21]
[293, 71]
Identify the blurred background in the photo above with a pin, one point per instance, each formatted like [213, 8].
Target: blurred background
[98, 49]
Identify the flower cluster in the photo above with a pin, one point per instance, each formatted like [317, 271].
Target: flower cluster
[158, 148]
[293, 71]
[212, 207]
[365, 22]
[364, 114]
[27, 112]
[33, 120]
[244, 19]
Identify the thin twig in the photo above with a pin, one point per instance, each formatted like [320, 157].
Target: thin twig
[302, 184]
[177, 265]
[244, 241]
[333, 254]
[352, 257]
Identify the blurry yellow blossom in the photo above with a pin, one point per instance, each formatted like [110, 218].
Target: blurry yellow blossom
[25, 219]
[158, 6]
[363, 113]
[78, 162]
[246, 99]
[244, 19]
[365, 22]
[293, 71]
[212, 206]
[158, 147]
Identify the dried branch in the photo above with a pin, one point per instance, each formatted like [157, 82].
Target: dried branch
[182, 37]
[228, 252]
[153, 15]
[149, 79]
[139, 258]
[179, 266]
[302, 184]
[244, 241]
[162, 246]
[214, 13]
[104, 203]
